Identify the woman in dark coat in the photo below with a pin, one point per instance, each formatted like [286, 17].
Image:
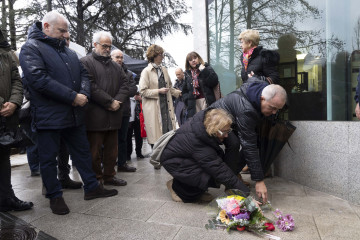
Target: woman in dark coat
[200, 80]
[195, 160]
[257, 60]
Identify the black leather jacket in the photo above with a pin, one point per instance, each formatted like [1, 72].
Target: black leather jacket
[246, 118]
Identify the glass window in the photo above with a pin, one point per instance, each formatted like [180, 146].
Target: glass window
[318, 43]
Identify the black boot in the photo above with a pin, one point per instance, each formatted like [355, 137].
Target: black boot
[14, 204]
[70, 184]
[58, 206]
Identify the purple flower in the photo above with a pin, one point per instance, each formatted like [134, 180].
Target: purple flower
[278, 214]
[243, 215]
[286, 223]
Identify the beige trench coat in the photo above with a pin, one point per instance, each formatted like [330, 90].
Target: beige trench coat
[150, 102]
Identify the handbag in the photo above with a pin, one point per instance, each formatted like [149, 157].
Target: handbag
[13, 137]
[159, 147]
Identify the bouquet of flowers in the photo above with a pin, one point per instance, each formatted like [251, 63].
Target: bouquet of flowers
[239, 213]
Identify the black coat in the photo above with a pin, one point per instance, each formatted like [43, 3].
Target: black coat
[132, 91]
[54, 76]
[208, 79]
[263, 63]
[246, 118]
[193, 157]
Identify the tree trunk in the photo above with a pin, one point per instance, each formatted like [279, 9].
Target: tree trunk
[49, 5]
[3, 18]
[232, 29]
[249, 13]
[12, 24]
[80, 29]
[217, 47]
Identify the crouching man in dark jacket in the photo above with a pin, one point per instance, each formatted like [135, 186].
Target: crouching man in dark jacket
[195, 160]
[59, 89]
[247, 105]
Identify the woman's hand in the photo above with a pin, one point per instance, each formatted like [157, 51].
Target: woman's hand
[163, 90]
[201, 67]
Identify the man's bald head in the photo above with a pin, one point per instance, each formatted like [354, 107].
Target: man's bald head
[117, 56]
[179, 74]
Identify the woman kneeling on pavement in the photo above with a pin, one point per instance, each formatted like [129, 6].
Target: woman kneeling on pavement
[195, 159]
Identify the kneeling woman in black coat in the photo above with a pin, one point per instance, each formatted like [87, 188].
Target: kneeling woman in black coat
[195, 160]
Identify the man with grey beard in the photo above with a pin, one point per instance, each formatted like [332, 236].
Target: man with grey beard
[109, 89]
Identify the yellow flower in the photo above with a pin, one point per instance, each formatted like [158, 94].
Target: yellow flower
[237, 197]
[224, 218]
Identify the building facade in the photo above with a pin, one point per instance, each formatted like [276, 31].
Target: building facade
[319, 47]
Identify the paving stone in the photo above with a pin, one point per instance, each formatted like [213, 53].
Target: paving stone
[186, 214]
[126, 208]
[124, 229]
[70, 226]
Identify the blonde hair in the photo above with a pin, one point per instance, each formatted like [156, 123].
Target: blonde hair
[153, 51]
[216, 119]
[190, 57]
[250, 35]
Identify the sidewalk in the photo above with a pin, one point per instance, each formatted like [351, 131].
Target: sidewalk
[144, 210]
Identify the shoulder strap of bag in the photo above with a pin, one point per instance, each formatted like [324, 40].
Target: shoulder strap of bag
[159, 147]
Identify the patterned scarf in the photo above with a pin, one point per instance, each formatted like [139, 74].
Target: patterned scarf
[195, 74]
[246, 57]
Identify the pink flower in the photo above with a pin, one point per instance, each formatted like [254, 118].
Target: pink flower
[239, 228]
[235, 211]
[278, 214]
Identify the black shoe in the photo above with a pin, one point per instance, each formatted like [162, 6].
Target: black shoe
[140, 156]
[58, 206]
[70, 184]
[115, 182]
[35, 173]
[126, 168]
[100, 192]
[128, 158]
[14, 204]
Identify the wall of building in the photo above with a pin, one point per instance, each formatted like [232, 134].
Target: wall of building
[325, 156]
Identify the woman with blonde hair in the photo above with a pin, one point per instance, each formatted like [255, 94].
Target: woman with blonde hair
[156, 91]
[200, 80]
[195, 160]
[257, 60]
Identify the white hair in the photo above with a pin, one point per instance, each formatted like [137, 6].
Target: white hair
[52, 17]
[98, 35]
[272, 90]
[115, 50]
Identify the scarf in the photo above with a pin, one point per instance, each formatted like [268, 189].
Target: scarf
[195, 81]
[158, 69]
[246, 57]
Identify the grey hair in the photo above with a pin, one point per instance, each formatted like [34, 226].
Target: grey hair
[272, 90]
[99, 34]
[52, 17]
[113, 52]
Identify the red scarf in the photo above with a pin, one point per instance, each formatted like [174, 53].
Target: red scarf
[195, 74]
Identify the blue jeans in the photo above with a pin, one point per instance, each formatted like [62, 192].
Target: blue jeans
[122, 141]
[78, 145]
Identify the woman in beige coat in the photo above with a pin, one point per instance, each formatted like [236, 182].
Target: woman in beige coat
[156, 91]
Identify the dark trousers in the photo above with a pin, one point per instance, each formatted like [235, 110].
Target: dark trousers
[5, 173]
[186, 192]
[122, 142]
[32, 153]
[134, 127]
[62, 157]
[48, 148]
[63, 161]
[233, 157]
[107, 140]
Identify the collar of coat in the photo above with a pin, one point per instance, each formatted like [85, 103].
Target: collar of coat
[35, 32]
[101, 58]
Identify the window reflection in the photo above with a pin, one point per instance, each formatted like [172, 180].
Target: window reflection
[319, 52]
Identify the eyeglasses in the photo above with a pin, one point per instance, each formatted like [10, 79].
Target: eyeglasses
[224, 133]
[104, 46]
